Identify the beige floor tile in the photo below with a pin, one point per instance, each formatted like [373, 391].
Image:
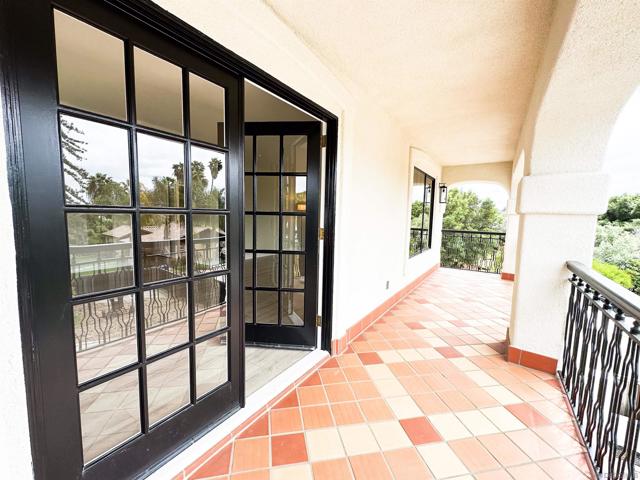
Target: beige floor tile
[464, 364]
[532, 445]
[358, 439]
[441, 460]
[481, 378]
[390, 387]
[390, 356]
[299, 472]
[379, 371]
[390, 435]
[502, 395]
[410, 354]
[448, 426]
[477, 423]
[503, 419]
[324, 444]
[404, 407]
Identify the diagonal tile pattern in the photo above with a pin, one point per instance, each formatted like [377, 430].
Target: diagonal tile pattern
[424, 393]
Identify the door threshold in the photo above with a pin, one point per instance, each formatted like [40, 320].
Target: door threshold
[256, 404]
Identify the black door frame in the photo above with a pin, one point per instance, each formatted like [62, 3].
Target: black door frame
[24, 26]
[277, 334]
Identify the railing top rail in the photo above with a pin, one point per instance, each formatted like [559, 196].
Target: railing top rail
[472, 231]
[622, 298]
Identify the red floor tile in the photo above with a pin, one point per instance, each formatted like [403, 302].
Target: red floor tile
[370, 358]
[528, 415]
[286, 449]
[259, 428]
[218, 465]
[419, 430]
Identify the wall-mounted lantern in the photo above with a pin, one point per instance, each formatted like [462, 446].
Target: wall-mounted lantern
[443, 193]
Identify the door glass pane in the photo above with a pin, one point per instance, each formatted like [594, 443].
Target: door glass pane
[248, 232]
[248, 306]
[161, 171]
[293, 230]
[206, 107]
[211, 364]
[168, 385]
[100, 252]
[90, 68]
[248, 269]
[164, 253]
[209, 243]
[267, 194]
[267, 269]
[267, 232]
[292, 308]
[105, 334]
[208, 178]
[248, 193]
[267, 307]
[295, 153]
[166, 318]
[294, 194]
[268, 153]
[158, 92]
[292, 271]
[248, 154]
[95, 160]
[109, 415]
[210, 298]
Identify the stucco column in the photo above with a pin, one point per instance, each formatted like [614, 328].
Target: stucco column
[558, 214]
[512, 225]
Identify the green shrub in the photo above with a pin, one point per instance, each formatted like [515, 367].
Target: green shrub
[614, 273]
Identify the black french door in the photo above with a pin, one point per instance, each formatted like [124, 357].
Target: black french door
[282, 201]
[133, 178]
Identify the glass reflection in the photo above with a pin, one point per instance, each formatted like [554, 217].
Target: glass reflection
[294, 194]
[248, 306]
[267, 192]
[90, 66]
[206, 107]
[295, 153]
[95, 160]
[166, 318]
[292, 308]
[267, 232]
[158, 92]
[100, 252]
[210, 297]
[164, 252]
[267, 153]
[211, 364]
[208, 178]
[267, 269]
[292, 271]
[168, 385]
[266, 307]
[105, 336]
[209, 243]
[293, 231]
[161, 171]
[109, 415]
[248, 154]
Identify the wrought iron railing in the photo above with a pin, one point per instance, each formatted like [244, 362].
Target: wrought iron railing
[599, 370]
[471, 250]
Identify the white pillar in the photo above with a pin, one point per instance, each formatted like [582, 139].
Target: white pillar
[512, 225]
[558, 214]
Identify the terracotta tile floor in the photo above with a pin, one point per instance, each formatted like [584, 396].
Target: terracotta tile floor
[424, 392]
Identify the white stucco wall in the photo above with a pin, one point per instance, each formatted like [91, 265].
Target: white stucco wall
[15, 447]
[498, 173]
[589, 69]
[373, 157]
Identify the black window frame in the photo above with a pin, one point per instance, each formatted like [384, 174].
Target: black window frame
[25, 80]
[420, 246]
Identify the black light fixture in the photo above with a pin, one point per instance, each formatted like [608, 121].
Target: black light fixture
[443, 193]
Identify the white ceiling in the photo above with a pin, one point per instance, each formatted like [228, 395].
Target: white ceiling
[457, 74]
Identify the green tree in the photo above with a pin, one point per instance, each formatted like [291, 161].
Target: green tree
[465, 211]
[103, 190]
[623, 208]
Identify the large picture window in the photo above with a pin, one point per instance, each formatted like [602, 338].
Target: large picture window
[421, 212]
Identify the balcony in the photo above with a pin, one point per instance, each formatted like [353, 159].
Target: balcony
[424, 392]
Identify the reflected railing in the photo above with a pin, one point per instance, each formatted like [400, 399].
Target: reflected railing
[102, 267]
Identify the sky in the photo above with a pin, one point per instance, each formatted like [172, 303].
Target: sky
[622, 158]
